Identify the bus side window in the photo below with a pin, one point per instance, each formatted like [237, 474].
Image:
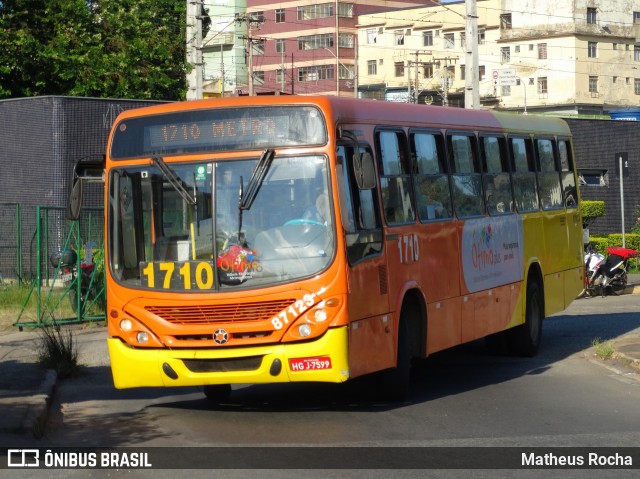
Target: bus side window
[358, 209]
[395, 178]
[496, 178]
[548, 174]
[468, 199]
[433, 196]
[523, 176]
[569, 194]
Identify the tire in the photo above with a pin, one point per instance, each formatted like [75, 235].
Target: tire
[396, 382]
[217, 392]
[619, 285]
[524, 340]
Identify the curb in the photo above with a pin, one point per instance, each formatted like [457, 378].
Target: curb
[37, 415]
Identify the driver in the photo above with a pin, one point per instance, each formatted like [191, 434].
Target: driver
[321, 211]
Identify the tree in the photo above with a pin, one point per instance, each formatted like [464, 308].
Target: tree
[99, 48]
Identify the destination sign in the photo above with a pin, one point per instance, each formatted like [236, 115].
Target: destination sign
[215, 130]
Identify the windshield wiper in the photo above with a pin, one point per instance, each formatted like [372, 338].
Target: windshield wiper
[256, 180]
[255, 183]
[175, 181]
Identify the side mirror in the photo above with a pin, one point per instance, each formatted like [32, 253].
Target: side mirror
[83, 171]
[364, 171]
[75, 200]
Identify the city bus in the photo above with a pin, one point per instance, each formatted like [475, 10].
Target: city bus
[284, 239]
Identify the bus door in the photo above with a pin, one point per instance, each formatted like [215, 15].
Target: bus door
[371, 345]
[554, 219]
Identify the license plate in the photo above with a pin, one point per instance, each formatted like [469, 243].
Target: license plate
[66, 277]
[310, 364]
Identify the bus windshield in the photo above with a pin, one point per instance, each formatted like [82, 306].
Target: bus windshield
[185, 227]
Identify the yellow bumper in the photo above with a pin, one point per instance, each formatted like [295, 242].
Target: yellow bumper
[133, 367]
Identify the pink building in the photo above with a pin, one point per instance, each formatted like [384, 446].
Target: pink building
[309, 48]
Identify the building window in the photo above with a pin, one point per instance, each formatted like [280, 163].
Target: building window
[542, 86]
[315, 42]
[482, 72]
[505, 54]
[615, 46]
[428, 70]
[257, 47]
[506, 90]
[463, 40]
[372, 35]
[636, 53]
[463, 72]
[345, 10]
[593, 177]
[345, 72]
[593, 84]
[309, 12]
[372, 67]
[592, 49]
[636, 17]
[542, 51]
[591, 15]
[636, 86]
[279, 76]
[427, 39]
[256, 17]
[399, 37]
[345, 40]
[516, 49]
[315, 73]
[280, 15]
[258, 78]
[505, 21]
[399, 69]
[481, 36]
[280, 45]
[449, 40]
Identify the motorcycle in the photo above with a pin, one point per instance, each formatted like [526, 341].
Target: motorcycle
[614, 270]
[66, 264]
[592, 277]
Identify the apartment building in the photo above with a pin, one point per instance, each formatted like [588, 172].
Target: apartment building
[580, 56]
[569, 57]
[304, 47]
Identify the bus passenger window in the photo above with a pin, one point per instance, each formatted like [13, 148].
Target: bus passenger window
[496, 178]
[468, 199]
[548, 177]
[569, 194]
[433, 197]
[395, 179]
[523, 176]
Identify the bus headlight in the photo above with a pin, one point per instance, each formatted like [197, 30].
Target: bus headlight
[320, 315]
[142, 337]
[126, 325]
[304, 330]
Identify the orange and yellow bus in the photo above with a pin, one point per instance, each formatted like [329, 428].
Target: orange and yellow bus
[284, 239]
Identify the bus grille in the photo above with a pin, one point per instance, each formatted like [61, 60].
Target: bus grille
[223, 365]
[227, 313]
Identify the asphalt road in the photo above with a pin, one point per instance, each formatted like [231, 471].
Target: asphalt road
[563, 397]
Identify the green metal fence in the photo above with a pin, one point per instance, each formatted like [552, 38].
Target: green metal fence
[59, 291]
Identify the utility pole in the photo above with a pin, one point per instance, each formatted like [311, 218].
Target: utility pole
[194, 49]
[471, 78]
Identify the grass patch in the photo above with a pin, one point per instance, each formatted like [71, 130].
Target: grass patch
[58, 350]
[603, 349]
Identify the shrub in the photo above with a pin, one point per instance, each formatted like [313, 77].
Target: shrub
[58, 350]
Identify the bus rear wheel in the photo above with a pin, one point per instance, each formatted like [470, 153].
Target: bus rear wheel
[217, 392]
[524, 340]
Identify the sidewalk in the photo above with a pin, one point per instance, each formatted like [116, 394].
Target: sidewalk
[26, 390]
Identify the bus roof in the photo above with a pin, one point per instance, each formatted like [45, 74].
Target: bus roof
[380, 112]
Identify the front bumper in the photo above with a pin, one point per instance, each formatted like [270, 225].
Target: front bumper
[139, 367]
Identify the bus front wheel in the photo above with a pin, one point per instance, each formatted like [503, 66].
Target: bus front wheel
[524, 340]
